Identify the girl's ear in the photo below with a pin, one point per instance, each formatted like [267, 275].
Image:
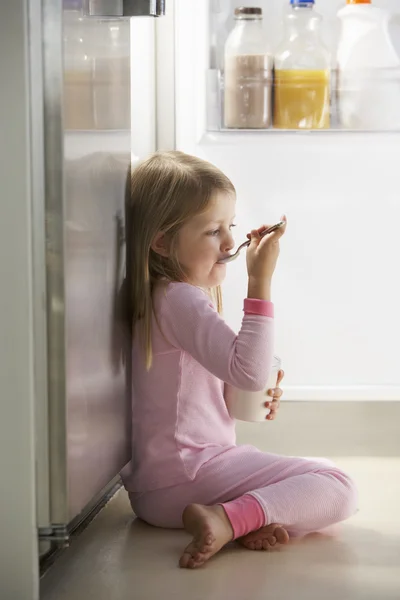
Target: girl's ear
[159, 245]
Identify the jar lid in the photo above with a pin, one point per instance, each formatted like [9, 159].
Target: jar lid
[253, 11]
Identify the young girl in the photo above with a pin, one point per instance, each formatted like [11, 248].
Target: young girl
[186, 468]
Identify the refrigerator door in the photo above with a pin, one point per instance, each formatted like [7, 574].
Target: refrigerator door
[93, 131]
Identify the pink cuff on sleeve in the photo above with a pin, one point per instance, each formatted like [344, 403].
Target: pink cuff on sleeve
[253, 306]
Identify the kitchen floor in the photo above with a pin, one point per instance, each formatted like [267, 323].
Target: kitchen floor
[118, 557]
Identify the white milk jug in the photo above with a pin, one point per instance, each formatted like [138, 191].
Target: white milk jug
[368, 68]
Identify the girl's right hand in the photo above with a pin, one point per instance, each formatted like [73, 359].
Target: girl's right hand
[263, 253]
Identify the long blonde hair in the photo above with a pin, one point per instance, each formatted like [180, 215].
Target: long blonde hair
[165, 192]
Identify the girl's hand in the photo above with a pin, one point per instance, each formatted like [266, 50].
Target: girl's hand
[263, 252]
[276, 398]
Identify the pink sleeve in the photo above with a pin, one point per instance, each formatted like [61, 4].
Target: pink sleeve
[190, 322]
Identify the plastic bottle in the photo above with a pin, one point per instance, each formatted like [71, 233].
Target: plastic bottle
[247, 72]
[368, 94]
[302, 72]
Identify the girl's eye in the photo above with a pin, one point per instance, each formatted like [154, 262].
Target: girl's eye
[218, 231]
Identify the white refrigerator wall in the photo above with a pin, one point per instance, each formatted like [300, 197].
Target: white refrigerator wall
[336, 287]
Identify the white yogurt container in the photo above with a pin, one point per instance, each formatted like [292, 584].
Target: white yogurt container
[250, 406]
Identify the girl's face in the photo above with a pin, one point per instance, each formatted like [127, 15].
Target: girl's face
[205, 239]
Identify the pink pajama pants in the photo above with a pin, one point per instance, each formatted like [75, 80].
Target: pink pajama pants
[300, 494]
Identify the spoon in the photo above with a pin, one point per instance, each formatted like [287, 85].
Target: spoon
[234, 256]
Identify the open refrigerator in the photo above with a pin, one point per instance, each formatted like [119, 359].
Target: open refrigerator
[113, 89]
[150, 84]
[335, 289]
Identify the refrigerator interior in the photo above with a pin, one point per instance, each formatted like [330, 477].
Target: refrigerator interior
[335, 288]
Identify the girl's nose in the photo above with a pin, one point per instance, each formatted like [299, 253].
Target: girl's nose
[228, 244]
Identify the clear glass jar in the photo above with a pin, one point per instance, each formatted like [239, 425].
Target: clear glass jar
[247, 73]
[112, 74]
[78, 67]
[302, 72]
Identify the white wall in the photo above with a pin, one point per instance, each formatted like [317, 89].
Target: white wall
[18, 547]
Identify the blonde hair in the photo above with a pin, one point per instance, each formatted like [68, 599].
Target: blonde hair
[165, 192]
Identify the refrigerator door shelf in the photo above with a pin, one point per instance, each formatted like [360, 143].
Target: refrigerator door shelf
[375, 94]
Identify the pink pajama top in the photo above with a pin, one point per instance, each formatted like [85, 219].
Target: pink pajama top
[180, 419]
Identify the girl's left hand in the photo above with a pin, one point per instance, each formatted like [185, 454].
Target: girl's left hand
[276, 398]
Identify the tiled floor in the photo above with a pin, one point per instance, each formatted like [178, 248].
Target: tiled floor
[120, 558]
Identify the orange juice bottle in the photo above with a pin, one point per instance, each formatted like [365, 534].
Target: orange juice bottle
[302, 72]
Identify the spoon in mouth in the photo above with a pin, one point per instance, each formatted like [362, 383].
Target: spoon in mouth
[234, 256]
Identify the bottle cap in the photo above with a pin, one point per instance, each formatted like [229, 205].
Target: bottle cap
[302, 2]
[358, 1]
[248, 11]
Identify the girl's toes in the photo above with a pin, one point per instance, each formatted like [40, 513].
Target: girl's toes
[184, 560]
[281, 535]
[209, 540]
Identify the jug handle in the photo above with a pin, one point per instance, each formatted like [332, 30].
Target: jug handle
[394, 18]
[391, 18]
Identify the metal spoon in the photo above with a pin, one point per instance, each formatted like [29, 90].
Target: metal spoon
[234, 256]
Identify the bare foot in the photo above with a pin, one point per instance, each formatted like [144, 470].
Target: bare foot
[211, 530]
[270, 537]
